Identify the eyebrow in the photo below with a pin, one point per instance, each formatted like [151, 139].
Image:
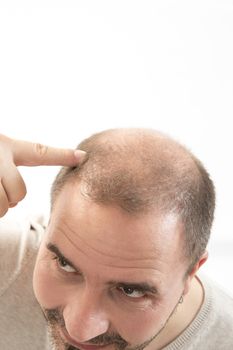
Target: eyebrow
[54, 249]
[141, 286]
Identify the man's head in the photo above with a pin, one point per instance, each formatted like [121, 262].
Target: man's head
[133, 222]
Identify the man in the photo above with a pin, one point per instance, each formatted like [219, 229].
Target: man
[116, 267]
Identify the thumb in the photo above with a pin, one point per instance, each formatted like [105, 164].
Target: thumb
[34, 154]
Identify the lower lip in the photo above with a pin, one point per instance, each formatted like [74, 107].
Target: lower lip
[72, 342]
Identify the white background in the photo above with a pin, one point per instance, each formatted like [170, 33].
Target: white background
[71, 68]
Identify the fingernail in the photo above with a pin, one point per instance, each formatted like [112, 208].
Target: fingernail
[80, 155]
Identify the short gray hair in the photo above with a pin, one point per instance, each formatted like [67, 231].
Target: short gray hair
[139, 170]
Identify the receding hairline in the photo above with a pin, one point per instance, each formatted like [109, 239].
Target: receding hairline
[139, 138]
[126, 136]
[132, 150]
[162, 147]
[140, 170]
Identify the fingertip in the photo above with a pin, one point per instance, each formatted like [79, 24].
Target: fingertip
[80, 155]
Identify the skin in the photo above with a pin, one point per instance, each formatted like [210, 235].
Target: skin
[99, 297]
[16, 152]
[129, 271]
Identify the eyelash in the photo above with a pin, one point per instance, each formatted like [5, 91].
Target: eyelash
[55, 257]
[135, 290]
[60, 261]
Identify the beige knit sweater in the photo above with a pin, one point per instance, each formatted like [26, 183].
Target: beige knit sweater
[22, 325]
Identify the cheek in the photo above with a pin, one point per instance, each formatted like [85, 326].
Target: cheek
[145, 324]
[46, 287]
[141, 325]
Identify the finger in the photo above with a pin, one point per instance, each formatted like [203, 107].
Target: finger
[4, 205]
[12, 205]
[33, 154]
[13, 185]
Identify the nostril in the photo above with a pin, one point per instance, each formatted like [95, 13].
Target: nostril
[87, 330]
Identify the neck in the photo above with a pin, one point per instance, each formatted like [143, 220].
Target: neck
[184, 315]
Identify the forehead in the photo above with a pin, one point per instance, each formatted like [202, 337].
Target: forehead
[109, 233]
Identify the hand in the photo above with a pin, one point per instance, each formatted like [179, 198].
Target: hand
[16, 152]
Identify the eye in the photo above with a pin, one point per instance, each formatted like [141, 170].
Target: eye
[132, 292]
[64, 265]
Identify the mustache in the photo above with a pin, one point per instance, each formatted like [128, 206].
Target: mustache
[55, 318]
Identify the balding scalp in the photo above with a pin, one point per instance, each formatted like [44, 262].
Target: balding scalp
[141, 171]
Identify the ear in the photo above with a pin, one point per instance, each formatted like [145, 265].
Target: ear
[196, 267]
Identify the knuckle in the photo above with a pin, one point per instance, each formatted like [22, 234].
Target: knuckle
[12, 205]
[3, 210]
[20, 195]
[23, 194]
[40, 149]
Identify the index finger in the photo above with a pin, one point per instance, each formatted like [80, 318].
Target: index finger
[34, 154]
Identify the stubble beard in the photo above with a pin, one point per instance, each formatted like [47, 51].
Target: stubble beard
[56, 322]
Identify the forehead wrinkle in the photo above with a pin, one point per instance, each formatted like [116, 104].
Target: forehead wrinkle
[145, 259]
[111, 264]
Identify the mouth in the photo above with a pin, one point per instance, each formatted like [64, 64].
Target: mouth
[81, 346]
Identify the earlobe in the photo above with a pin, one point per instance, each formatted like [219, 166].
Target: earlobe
[193, 272]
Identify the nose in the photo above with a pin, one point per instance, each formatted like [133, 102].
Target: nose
[84, 318]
